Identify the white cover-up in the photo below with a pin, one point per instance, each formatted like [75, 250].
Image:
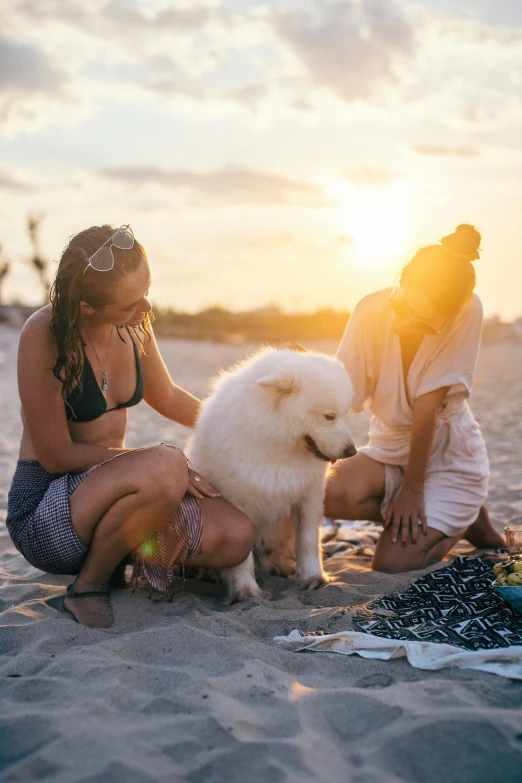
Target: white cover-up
[457, 477]
[506, 661]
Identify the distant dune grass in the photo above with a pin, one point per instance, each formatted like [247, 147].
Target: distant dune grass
[269, 324]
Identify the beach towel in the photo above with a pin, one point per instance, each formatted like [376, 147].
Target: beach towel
[451, 617]
[342, 537]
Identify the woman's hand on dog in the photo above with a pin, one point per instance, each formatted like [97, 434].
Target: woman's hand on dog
[199, 487]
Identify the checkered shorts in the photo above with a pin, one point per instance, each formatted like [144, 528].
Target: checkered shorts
[39, 518]
[39, 523]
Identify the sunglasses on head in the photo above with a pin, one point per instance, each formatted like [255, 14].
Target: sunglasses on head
[103, 260]
[402, 308]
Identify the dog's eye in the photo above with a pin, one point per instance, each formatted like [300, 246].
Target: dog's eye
[329, 416]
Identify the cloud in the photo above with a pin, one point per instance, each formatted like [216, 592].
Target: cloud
[14, 183]
[35, 89]
[351, 48]
[443, 150]
[205, 58]
[373, 177]
[473, 31]
[143, 51]
[184, 19]
[229, 185]
[123, 14]
[26, 69]
[250, 95]
[160, 75]
[119, 21]
[73, 11]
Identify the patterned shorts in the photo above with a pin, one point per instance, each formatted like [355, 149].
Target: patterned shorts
[156, 560]
[39, 523]
[452, 498]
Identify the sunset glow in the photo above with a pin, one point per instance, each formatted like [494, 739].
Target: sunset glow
[262, 151]
[377, 220]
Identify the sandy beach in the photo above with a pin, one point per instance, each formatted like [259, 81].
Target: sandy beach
[196, 690]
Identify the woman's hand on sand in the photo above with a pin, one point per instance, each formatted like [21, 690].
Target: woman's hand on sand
[199, 487]
[407, 516]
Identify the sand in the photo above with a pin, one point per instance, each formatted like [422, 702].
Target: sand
[197, 690]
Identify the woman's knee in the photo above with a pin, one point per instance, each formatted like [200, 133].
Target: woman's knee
[237, 539]
[165, 474]
[339, 501]
[392, 558]
[333, 499]
[228, 534]
[386, 564]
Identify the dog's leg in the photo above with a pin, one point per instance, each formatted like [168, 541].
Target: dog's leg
[307, 519]
[241, 582]
[276, 550]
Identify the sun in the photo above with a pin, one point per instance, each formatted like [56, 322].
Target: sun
[377, 220]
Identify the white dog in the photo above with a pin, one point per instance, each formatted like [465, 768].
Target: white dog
[264, 439]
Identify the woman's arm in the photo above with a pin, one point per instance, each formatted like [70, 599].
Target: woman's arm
[408, 507]
[425, 411]
[162, 394]
[43, 407]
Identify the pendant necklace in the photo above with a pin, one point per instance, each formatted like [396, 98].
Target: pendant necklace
[105, 382]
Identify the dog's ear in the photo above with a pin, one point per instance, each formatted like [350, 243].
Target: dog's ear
[284, 382]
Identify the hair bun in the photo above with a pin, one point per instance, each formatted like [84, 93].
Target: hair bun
[464, 243]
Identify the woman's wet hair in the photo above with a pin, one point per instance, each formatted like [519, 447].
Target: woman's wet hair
[75, 283]
[445, 272]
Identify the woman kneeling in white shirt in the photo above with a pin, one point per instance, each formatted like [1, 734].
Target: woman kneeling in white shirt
[411, 353]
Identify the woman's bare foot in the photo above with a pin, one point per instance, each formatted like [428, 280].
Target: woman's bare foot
[90, 607]
[482, 533]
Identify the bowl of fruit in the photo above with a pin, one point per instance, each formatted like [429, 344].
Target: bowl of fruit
[508, 582]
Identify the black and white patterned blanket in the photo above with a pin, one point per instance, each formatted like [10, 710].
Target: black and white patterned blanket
[454, 605]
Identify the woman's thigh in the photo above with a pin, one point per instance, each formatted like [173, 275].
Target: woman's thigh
[452, 502]
[151, 475]
[351, 483]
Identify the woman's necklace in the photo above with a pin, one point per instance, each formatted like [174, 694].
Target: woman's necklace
[105, 382]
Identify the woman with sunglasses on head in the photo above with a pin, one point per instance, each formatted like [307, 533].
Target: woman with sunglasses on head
[80, 502]
[411, 354]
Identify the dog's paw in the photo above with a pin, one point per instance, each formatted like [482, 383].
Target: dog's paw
[285, 570]
[246, 593]
[278, 564]
[314, 582]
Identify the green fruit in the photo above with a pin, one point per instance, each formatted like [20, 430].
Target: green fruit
[502, 581]
[516, 566]
[498, 569]
[515, 579]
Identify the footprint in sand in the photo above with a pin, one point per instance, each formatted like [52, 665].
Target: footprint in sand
[377, 680]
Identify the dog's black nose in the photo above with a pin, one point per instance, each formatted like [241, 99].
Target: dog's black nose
[350, 451]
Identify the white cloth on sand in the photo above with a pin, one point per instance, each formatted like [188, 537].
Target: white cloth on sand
[458, 471]
[506, 661]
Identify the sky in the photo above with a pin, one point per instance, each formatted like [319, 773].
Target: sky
[287, 152]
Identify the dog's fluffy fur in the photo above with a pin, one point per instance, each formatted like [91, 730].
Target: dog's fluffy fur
[263, 439]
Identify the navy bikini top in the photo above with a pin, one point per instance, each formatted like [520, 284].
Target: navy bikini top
[90, 403]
